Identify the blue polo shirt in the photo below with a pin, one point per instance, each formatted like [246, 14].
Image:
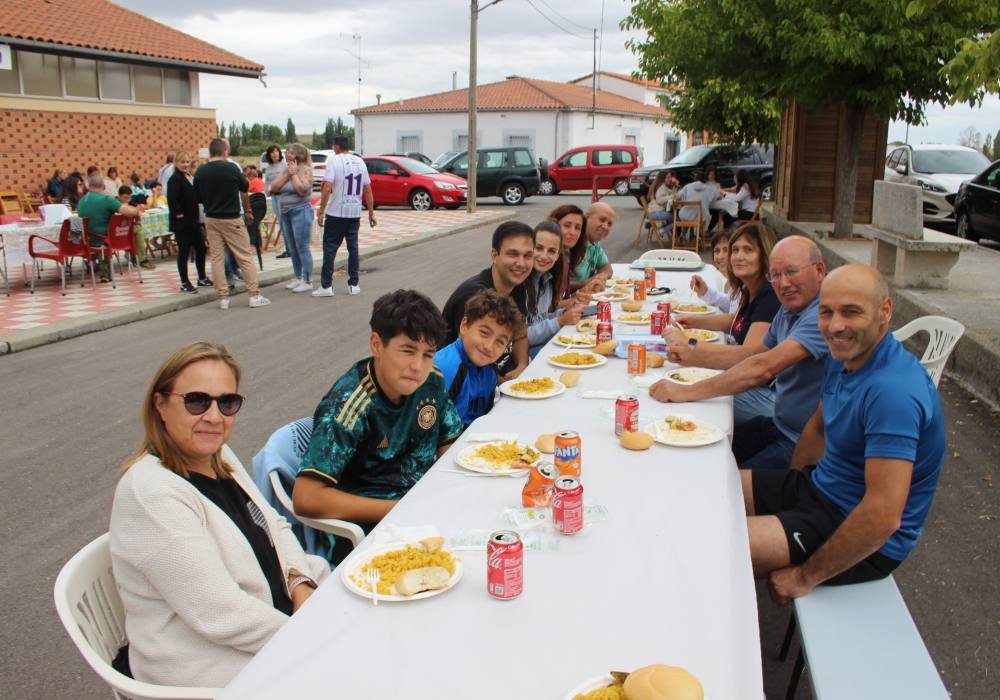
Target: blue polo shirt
[888, 408]
[475, 397]
[797, 387]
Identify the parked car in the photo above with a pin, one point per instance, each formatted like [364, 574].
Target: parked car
[576, 169]
[444, 158]
[402, 181]
[415, 155]
[508, 172]
[939, 170]
[319, 165]
[756, 160]
[977, 205]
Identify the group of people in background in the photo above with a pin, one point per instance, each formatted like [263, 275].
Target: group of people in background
[704, 191]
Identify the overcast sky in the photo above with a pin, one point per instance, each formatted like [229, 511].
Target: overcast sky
[411, 47]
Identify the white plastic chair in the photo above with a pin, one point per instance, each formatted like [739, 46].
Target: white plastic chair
[341, 528]
[944, 335]
[668, 259]
[90, 609]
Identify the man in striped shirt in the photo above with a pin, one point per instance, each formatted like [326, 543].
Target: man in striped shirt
[383, 423]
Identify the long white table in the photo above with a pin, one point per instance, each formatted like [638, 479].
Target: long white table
[665, 579]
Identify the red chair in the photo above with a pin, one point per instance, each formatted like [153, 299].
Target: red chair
[62, 251]
[120, 239]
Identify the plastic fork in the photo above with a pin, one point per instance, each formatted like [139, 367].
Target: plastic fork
[372, 576]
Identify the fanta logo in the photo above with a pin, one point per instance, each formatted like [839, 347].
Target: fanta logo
[568, 452]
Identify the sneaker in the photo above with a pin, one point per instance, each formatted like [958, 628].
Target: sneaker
[283, 254]
[189, 288]
[205, 282]
[224, 303]
[146, 265]
[303, 287]
[259, 300]
[296, 281]
[353, 289]
[323, 292]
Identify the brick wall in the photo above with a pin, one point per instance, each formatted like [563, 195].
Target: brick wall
[34, 143]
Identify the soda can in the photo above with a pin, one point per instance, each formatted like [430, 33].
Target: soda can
[650, 275]
[605, 331]
[604, 311]
[567, 505]
[637, 359]
[664, 306]
[537, 491]
[569, 453]
[504, 565]
[656, 322]
[626, 414]
[639, 290]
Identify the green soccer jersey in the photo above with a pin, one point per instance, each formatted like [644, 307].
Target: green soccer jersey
[365, 445]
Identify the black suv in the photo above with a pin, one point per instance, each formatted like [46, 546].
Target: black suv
[509, 172]
[756, 160]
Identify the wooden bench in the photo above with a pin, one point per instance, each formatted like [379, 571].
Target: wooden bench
[924, 263]
[860, 643]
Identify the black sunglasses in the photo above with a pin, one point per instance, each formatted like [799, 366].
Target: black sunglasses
[197, 402]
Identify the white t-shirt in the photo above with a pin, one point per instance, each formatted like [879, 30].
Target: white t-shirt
[349, 176]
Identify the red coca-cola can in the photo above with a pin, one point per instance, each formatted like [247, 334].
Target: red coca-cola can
[664, 306]
[567, 505]
[639, 290]
[605, 331]
[636, 358]
[604, 311]
[650, 274]
[504, 565]
[656, 322]
[626, 414]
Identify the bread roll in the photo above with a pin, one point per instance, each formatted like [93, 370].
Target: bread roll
[654, 360]
[631, 306]
[662, 682]
[546, 443]
[432, 544]
[429, 578]
[637, 440]
[606, 348]
[570, 377]
[587, 325]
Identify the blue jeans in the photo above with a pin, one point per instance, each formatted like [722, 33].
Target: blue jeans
[663, 215]
[297, 225]
[335, 230]
[751, 403]
[759, 444]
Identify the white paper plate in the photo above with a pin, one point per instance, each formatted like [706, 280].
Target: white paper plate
[353, 565]
[695, 374]
[464, 459]
[601, 360]
[677, 302]
[612, 296]
[592, 684]
[643, 322]
[622, 281]
[505, 388]
[579, 340]
[665, 437]
[711, 336]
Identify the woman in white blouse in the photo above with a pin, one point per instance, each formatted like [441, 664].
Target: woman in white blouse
[207, 570]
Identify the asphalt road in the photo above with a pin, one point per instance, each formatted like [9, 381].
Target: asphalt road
[70, 417]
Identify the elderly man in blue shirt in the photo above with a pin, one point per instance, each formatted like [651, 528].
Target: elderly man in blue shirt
[877, 442]
[792, 354]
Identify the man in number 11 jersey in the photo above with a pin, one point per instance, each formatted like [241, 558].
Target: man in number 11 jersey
[344, 183]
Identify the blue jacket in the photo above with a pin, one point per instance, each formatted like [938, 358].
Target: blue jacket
[475, 391]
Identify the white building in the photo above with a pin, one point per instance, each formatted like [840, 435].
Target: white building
[546, 116]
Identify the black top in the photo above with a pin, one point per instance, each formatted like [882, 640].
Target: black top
[182, 199]
[761, 308]
[219, 183]
[234, 502]
[454, 310]
[54, 188]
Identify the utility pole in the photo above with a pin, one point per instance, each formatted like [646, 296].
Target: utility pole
[593, 88]
[470, 205]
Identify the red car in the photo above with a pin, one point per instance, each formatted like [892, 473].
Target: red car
[576, 169]
[399, 181]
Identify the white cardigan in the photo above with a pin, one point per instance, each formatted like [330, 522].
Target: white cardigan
[197, 604]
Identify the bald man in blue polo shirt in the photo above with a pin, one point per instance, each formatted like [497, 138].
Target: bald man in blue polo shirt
[877, 442]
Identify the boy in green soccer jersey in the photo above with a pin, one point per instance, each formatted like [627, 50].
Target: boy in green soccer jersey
[383, 423]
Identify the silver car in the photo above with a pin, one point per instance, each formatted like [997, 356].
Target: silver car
[938, 170]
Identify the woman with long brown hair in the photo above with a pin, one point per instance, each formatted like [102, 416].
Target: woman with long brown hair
[545, 317]
[573, 224]
[206, 569]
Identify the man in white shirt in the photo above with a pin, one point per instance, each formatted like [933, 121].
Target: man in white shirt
[698, 191]
[345, 182]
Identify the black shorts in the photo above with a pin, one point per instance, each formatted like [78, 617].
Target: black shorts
[809, 519]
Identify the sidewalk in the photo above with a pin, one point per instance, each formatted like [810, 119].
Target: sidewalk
[29, 320]
[973, 299]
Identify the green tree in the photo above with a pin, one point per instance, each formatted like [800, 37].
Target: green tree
[290, 136]
[988, 146]
[220, 129]
[738, 61]
[329, 131]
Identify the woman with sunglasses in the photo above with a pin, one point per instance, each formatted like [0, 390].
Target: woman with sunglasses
[206, 569]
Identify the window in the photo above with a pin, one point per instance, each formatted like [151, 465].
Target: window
[993, 178]
[8, 78]
[462, 142]
[40, 74]
[493, 159]
[116, 84]
[519, 140]
[408, 144]
[148, 85]
[699, 138]
[671, 147]
[630, 140]
[522, 158]
[575, 160]
[746, 156]
[904, 158]
[462, 162]
[625, 157]
[603, 158]
[176, 88]
[893, 159]
[80, 75]
[381, 167]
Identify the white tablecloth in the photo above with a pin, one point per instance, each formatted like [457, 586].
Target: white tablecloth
[665, 579]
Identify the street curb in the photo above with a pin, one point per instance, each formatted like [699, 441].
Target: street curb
[974, 363]
[64, 330]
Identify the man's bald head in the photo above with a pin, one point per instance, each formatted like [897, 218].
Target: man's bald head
[855, 311]
[796, 272]
[799, 247]
[600, 220]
